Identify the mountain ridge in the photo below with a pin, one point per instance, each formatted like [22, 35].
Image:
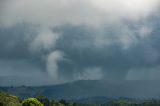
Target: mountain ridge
[90, 88]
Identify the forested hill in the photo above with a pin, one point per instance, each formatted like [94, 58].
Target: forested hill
[90, 88]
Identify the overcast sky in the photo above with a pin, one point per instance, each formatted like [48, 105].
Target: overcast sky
[56, 41]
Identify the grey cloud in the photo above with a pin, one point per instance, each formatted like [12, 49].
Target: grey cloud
[80, 53]
[71, 40]
[114, 60]
[59, 12]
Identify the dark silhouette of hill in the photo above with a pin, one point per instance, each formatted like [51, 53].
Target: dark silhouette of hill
[90, 88]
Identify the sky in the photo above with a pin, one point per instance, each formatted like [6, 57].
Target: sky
[57, 41]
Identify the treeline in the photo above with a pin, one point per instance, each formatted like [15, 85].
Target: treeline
[11, 100]
[131, 103]
[46, 102]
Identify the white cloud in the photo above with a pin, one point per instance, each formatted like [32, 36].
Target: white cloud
[45, 40]
[52, 64]
[89, 12]
[121, 35]
[132, 9]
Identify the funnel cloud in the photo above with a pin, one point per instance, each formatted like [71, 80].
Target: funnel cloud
[60, 41]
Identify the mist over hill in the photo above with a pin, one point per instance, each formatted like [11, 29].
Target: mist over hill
[90, 88]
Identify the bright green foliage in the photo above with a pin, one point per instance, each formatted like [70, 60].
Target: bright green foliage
[31, 102]
[9, 100]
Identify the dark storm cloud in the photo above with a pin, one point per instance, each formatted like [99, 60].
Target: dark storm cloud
[81, 52]
[115, 61]
[14, 48]
[65, 41]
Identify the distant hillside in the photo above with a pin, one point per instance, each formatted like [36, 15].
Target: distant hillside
[90, 88]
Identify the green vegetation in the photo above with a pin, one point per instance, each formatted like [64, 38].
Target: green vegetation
[46, 102]
[10, 100]
[131, 103]
[31, 102]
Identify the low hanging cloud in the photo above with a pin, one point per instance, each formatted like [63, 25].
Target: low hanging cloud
[144, 74]
[52, 63]
[94, 73]
[99, 39]
[53, 13]
[45, 40]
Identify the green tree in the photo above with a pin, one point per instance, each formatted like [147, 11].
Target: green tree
[31, 102]
[9, 100]
[62, 101]
[45, 101]
[75, 104]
